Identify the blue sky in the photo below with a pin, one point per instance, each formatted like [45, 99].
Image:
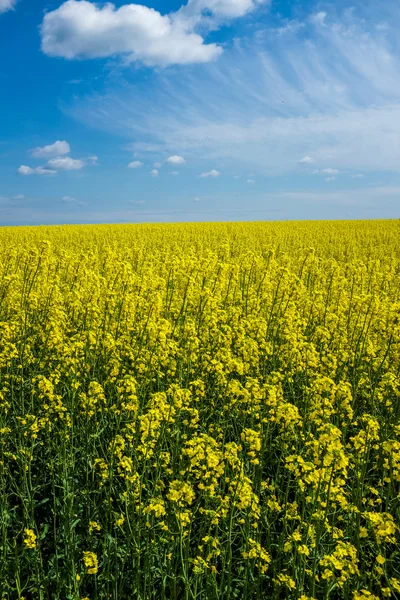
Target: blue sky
[206, 110]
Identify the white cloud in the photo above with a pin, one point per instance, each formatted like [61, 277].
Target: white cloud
[136, 164]
[212, 173]
[18, 197]
[197, 199]
[358, 176]
[84, 29]
[24, 170]
[329, 171]
[56, 149]
[250, 181]
[330, 178]
[306, 160]
[6, 5]
[228, 9]
[65, 163]
[44, 171]
[236, 177]
[382, 27]
[58, 163]
[157, 165]
[68, 199]
[87, 30]
[331, 92]
[174, 173]
[289, 27]
[319, 18]
[211, 14]
[154, 173]
[176, 160]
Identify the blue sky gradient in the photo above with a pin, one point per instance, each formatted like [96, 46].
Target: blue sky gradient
[224, 110]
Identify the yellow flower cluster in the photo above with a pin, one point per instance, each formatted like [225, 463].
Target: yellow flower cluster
[341, 564]
[212, 409]
[29, 538]
[259, 554]
[91, 563]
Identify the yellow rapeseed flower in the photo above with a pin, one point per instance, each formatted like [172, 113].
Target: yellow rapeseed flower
[29, 538]
[91, 562]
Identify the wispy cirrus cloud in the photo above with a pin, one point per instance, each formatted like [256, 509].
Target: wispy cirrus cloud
[327, 91]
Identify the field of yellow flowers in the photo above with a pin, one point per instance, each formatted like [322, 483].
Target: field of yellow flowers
[200, 411]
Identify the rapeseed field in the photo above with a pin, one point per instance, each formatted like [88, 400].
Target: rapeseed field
[200, 411]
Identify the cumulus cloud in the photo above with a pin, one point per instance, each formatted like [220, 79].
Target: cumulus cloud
[306, 160]
[56, 149]
[58, 162]
[330, 178]
[176, 160]
[25, 170]
[136, 164]
[250, 181]
[154, 173]
[86, 30]
[65, 163]
[6, 5]
[212, 173]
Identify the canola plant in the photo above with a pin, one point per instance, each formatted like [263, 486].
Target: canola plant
[200, 411]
